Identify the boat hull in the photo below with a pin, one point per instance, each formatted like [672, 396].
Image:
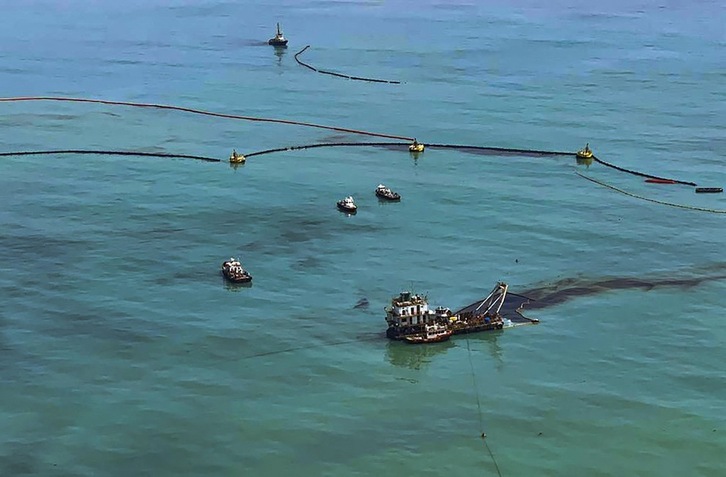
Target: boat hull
[393, 197]
[421, 339]
[347, 210]
[398, 333]
[275, 42]
[234, 277]
[244, 278]
[465, 328]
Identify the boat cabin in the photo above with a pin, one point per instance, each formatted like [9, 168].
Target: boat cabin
[431, 334]
[409, 309]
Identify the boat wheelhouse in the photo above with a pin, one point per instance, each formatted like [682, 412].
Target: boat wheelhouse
[408, 314]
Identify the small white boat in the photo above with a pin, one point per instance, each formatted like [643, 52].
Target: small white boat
[347, 205]
[234, 272]
[387, 194]
[432, 334]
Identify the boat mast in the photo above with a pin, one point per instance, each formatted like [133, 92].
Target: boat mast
[278, 29]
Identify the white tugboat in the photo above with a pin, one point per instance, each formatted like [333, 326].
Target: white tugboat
[347, 205]
[234, 272]
[432, 334]
[386, 193]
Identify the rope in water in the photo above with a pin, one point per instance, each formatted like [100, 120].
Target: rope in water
[630, 194]
[339, 75]
[641, 174]
[199, 111]
[111, 153]
[326, 144]
[478, 405]
[463, 147]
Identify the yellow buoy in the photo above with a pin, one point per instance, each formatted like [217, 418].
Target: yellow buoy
[416, 146]
[585, 153]
[237, 158]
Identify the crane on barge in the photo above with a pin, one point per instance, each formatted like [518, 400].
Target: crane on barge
[481, 315]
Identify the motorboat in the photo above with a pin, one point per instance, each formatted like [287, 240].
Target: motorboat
[385, 193]
[234, 272]
[347, 205]
[279, 39]
[434, 333]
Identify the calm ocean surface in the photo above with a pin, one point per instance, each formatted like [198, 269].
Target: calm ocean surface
[123, 353]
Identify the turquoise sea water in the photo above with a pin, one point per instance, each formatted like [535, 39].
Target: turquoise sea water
[122, 352]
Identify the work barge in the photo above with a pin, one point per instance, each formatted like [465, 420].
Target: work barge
[409, 314]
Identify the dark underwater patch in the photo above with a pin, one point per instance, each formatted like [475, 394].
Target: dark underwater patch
[567, 289]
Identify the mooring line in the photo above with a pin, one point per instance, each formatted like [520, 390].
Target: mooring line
[671, 204]
[641, 174]
[478, 405]
[110, 153]
[339, 75]
[199, 111]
